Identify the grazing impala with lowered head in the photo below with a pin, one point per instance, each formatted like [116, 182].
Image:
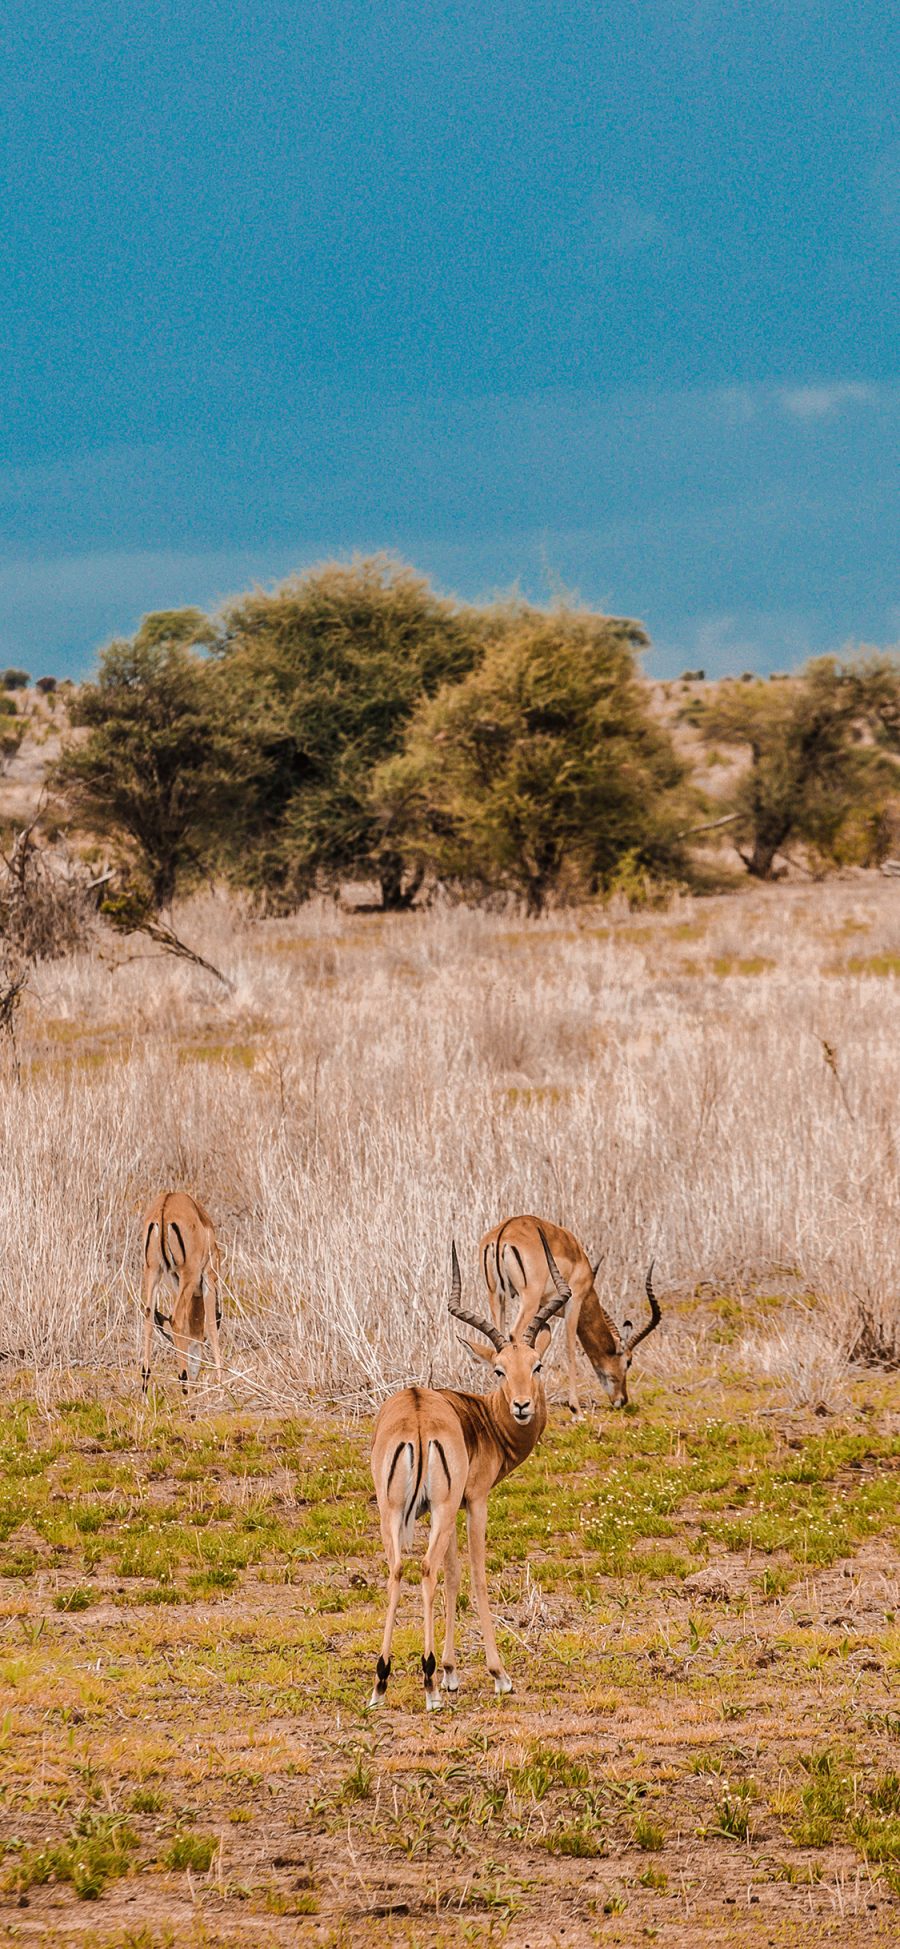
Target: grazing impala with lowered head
[516, 1275]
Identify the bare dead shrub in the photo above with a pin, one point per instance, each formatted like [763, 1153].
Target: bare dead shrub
[805, 1357]
[874, 1332]
[47, 904]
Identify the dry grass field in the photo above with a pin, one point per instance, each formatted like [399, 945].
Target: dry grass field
[699, 1600]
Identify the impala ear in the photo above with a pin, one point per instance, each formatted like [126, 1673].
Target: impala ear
[474, 1346]
[542, 1341]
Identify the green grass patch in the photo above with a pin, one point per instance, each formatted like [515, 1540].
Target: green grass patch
[193, 1851]
[99, 1849]
[78, 1599]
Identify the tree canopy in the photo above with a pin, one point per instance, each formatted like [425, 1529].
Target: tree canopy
[820, 765]
[542, 769]
[326, 671]
[160, 766]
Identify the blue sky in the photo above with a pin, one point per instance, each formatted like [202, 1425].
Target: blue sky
[601, 296]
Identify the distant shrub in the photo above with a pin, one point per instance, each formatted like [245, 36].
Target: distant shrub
[12, 731]
[822, 754]
[693, 676]
[46, 685]
[13, 679]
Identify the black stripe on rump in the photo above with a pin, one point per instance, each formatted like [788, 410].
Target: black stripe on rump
[436, 1444]
[147, 1244]
[399, 1452]
[162, 1234]
[518, 1258]
[502, 1293]
[180, 1239]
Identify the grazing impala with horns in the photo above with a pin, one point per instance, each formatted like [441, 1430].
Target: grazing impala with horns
[180, 1250]
[515, 1270]
[437, 1450]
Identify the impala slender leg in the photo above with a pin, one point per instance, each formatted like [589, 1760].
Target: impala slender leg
[443, 1525]
[148, 1295]
[181, 1338]
[573, 1311]
[449, 1680]
[213, 1314]
[391, 1540]
[477, 1526]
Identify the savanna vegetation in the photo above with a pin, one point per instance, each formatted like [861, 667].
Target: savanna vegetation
[698, 1599]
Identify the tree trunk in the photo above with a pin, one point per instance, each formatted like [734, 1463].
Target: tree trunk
[397, 898]
[759, 863]
[162, 879]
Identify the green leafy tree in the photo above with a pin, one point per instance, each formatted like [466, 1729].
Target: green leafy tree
[160, 767]
[325, 672]
[820, 767]
[542, 770]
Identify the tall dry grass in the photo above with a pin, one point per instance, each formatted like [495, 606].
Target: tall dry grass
[373, 1086]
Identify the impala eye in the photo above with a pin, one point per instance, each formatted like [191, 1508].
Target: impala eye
[537, 1369]
[500, 1373]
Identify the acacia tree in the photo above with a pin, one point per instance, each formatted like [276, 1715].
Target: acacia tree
[160, 766]
[820, 766]
[542, 768]
[326, 671]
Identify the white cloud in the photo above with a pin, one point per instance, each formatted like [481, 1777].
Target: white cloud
[613, 224]
[736, 405]
[822, 402]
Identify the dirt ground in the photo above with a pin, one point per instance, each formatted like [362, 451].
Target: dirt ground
[699, 1614]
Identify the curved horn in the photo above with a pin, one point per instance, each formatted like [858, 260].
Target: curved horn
[486, 1327]
[551, 1306]
[655, 1314]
